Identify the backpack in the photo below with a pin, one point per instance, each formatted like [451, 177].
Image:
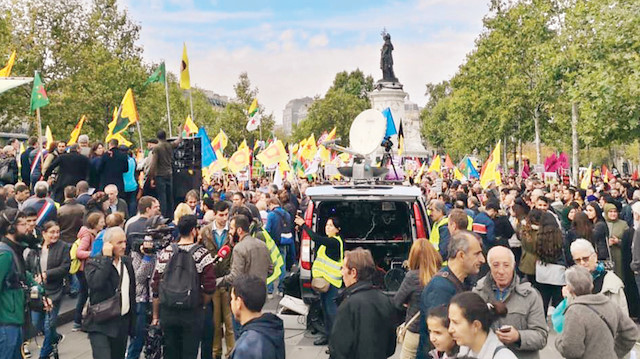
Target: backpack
[180, 284]
[73, 253]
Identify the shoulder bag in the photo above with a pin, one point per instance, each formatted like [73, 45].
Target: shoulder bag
[401, 330]
[109, 308]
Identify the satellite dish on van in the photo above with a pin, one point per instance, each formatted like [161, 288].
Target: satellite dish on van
[367, 132]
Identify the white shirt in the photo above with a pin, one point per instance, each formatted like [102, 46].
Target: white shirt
[124, 289]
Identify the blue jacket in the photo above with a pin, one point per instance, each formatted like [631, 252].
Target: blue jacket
[129, 177]
[438, 292]
[483, 225]
[261, 338]
[276, 222]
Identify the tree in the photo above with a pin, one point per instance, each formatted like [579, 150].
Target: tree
[345, 99]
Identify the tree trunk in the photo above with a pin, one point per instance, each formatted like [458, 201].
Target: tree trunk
[536, 124]
[574, 142]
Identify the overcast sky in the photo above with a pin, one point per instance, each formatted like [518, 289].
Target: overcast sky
[293, 49]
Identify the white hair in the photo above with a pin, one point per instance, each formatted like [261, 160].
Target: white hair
[511, 255]
[111, 232]
[579, 279]
[83, 139]
[110, 187]
[636, 206]
[582, 244]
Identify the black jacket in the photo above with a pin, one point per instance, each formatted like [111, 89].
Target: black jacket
[261, 338]
[73, 168]
[58, 264]
[365, 326]
[103, 280]
[25, 170]
[112, 166]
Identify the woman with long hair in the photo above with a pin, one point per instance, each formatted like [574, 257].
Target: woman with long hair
[470, 320]
[600, 233]
[581, 227]
[529, 239]
[51, 265]
[95, 157]
[424, 262]
[551, 265]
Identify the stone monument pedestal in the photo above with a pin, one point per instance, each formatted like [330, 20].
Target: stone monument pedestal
[390, 94]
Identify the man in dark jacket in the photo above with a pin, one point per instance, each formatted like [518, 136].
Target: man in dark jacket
[161, 172]
[365, 325]
[70, 216]
[112, 166]
[465, 259]
[74, 168]
[261, 335]
[25, 170]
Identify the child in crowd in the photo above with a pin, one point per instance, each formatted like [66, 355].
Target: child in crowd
[438, 324]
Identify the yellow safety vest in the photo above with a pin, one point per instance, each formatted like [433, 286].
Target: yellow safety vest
[469, 223]
[327, 268]
[274, 254]
[435, 232]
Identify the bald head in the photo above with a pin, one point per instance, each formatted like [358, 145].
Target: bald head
[502, 263]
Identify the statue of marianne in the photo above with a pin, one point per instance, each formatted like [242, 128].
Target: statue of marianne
[386, 59]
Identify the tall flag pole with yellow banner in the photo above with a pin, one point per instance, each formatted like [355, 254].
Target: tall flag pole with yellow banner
[6, 71]
[185, 79]
[126, 115]
[491, 172]
[38, 99]
[73, 138]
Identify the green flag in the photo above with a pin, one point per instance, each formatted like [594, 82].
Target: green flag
[157, 75]
[38, 94]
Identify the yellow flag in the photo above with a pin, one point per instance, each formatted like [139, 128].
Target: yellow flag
[111, 125]
[76, 131]
[310, 149]
[586, 179]
[189, 126]
[418, 178]
[243, 145]
[491, 172]
[253, 108]
[436, 165]
[122, 140]
[6, 71]
[49, 136]
[457, 174]
[273, 154]
[220, 141]
[185, 81]
[124, 116]
[239, 160]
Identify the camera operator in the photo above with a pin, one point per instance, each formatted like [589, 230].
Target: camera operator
[147, 208]
[15, 281]
[50, 264]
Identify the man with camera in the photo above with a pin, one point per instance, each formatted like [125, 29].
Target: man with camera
[15, 281]
[147, 208]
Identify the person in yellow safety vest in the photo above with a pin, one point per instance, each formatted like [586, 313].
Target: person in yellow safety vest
[327, 265]
[274, 254]
[439, 232]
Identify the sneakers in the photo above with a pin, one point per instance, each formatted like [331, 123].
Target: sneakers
[321, 341]
[76, 327]
[60, 339]
[25, 350]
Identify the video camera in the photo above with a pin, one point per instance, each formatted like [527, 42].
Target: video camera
[156, 237]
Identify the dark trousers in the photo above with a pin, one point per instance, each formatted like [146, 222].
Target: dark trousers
[82, 297]
[551, 294]
[329, 308]
[181, 338]
[164, 187]
[132, 204]
[136, 344]
[206, 342]
[104, 347]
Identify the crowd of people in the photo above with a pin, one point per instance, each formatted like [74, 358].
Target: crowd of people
[500, 267]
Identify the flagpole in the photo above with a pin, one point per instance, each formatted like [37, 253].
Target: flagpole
[191, 105]
[38, 119]
[166, 92]
[140, 133]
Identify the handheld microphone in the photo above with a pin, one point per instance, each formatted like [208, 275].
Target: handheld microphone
[222, 253]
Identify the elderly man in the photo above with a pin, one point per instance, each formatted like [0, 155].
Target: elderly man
[83, 143]
[604, 281]
[116, 204]
[42, 204]
[527, 327]
[440, 231]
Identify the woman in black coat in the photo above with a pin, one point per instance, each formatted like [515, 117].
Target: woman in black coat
[600, 234]
[50, 266]
[104, 274]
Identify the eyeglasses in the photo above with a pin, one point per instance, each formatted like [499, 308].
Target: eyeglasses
[582, 259]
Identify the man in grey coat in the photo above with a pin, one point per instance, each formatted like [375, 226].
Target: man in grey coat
[594, 327]
[526, 323]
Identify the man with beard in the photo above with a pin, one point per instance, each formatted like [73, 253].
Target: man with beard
[13, 276]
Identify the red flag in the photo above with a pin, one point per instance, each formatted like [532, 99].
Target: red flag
[635, 175]
[448, 163]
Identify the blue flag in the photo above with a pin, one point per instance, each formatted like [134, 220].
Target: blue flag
[208, 156]
[391, 126]
[473, 172]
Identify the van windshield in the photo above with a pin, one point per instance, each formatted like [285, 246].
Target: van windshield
[368, 220]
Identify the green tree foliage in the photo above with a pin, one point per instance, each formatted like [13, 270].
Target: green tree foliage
[532, 61]
[344, 100]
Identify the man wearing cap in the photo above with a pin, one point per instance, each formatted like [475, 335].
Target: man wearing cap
[74, 168]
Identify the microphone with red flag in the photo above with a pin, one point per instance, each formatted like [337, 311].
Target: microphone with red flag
[222, 253]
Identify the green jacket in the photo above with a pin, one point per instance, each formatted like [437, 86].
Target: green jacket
[12, 301]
